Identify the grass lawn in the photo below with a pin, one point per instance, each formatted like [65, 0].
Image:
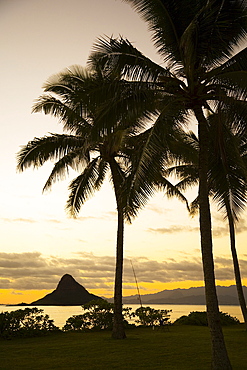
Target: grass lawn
[183, 347]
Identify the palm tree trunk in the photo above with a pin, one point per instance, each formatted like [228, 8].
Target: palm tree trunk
[118, 331]
[220, 358]
[239, 286]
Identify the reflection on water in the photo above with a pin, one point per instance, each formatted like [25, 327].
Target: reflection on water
[61, 313]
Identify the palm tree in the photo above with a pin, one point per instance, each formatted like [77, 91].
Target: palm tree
[196, 41]
[95, 141]
[226, 177]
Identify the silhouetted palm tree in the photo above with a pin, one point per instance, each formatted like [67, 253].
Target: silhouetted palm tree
[228, 181]
[196, 41]
[95, 142]
[226, 178]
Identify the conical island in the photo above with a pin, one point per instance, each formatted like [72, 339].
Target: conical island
[68, 293]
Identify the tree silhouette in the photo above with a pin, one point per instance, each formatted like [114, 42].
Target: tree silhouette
[95, 143]
[226, 178]
[196, 41]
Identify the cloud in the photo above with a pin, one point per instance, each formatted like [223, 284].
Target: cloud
[170, 270]
[106, 216]
[25, 271]
[85, 218]
[173, 229]
[82, 241]
[219, 230]
[54, 221]
[158, 210]
[111, 215]
[32, 270]
[241, 226]
[26, 220]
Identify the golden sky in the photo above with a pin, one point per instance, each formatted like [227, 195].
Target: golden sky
[39, 243]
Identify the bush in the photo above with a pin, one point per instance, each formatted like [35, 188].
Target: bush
[26, 322]
[98, 316]
[148, 316]
[200, 318]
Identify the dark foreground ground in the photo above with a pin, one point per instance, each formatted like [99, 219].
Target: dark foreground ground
[183, 347]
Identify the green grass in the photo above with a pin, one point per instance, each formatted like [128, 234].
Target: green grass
[183, 347]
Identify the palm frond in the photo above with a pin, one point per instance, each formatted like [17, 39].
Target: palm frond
[150, 156]
[127, 104]
[167, 23]
[61, 168]
[219, 23]
[102, 171]
[52, 147]
[187, 173]
[118, 57]
[83, 187]
[194, 207]
[171, 190]
[68, 115]
[233, 83]
[69, 78]
[236, 63]
[227, 175]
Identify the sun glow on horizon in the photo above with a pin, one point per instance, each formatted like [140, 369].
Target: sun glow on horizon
[11, 296]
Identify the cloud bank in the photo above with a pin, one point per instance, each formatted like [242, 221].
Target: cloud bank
[220, 228]
[34, 271]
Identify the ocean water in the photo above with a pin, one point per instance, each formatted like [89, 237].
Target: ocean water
[61, 313]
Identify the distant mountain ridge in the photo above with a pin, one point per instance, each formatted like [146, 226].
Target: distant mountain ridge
[193, 296]
[68, 293]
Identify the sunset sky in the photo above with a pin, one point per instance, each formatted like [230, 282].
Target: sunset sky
[39, 243]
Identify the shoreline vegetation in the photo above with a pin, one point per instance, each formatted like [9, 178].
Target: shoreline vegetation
[34, 342]
[98, 315]
[61, 313]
